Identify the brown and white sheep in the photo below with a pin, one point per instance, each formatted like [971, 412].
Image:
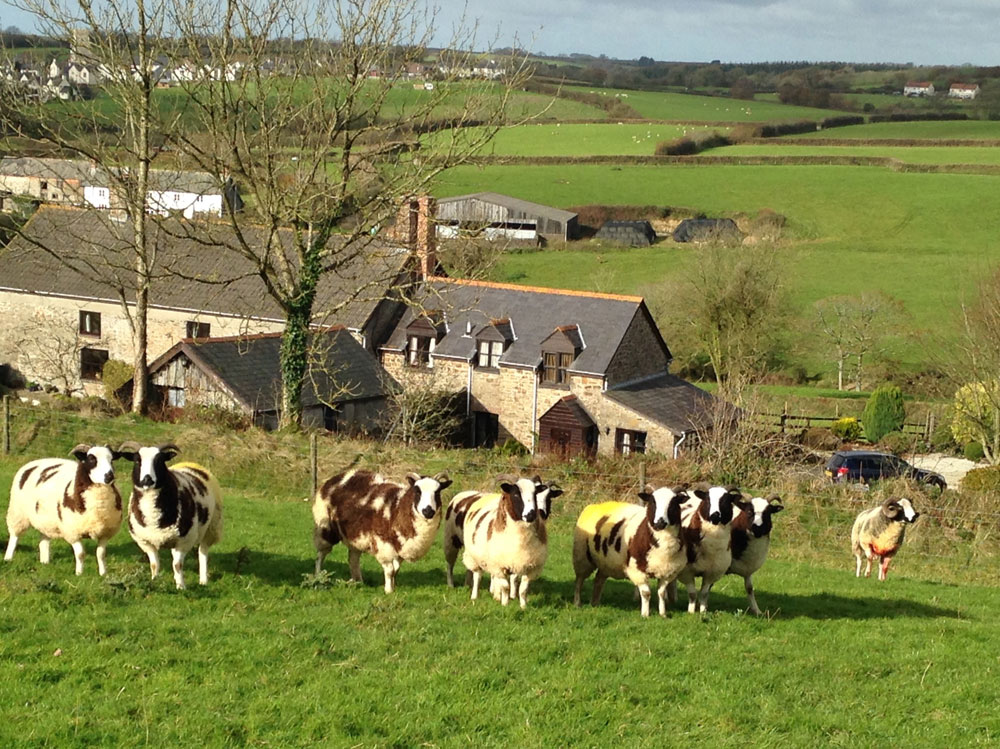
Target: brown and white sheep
[751, 539]
[68, 499]
[878, 533]
[392, 522]
[177, 508]
[623, 540]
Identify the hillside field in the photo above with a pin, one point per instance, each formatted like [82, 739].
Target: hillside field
[266, 656]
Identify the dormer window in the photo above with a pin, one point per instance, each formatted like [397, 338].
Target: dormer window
[558, 352]
[489, 353]
[491, 342]
[422, 336]
[554, 366]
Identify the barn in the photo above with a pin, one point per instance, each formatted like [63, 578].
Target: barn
[707, 230]
[502, 217]
[628, 233]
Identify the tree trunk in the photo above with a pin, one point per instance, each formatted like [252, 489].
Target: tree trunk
[840, 369]
[140, 376]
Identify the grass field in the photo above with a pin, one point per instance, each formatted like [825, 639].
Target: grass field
[908, 155]
[257, 658]
[943, 129]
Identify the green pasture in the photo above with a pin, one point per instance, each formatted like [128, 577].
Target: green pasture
[940, 129]
[907, 155]
[691, 108]
[264, 655]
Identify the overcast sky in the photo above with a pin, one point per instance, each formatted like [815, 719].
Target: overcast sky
[947, 32]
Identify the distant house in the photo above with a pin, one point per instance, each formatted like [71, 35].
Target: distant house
[627, 233]
[707, 229]
[918, 88]
[44, 180]
[497, 216]
[344, 390]
[559, 371]
[963, 90]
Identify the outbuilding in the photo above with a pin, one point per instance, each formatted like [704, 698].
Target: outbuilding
[499, 216]
[629, 233]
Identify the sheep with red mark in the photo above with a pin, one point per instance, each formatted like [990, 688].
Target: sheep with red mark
[706, 522]
[393, 522]
[751, 539]
[175, 507]
[628, 541]
[878, 534]
[68, 499]
[501, 538]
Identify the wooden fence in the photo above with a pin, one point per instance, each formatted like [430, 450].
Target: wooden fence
[785, 421]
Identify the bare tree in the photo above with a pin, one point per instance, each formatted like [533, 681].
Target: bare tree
[856, 328]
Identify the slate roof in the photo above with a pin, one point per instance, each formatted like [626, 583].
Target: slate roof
[515, 204]
[211, 279]
[31, 166]
[248, 367]
[76, 169]
[705, 228]
[669, 400]
[533, 314]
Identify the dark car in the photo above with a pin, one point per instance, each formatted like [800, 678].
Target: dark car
[848, 466]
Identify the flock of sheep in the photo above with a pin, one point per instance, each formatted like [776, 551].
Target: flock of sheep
[676, 533]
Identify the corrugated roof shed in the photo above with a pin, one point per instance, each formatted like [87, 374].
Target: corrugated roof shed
[515, 204]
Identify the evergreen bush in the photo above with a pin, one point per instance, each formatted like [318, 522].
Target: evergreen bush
[847, 429]
[883, 413]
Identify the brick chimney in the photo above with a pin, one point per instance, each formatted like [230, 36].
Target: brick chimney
[416, 227]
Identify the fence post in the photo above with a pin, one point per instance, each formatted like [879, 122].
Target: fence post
[6, 425]
[642, 475]
[784, 417]
[313, 464]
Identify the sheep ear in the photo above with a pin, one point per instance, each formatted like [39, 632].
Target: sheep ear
[674, 509]
[537, 479]
[128, 450]
[169, 451]
[80, 452]
[646, 495]
[413, 478]
[507, 487]
[775, 504]
[743, 504]
[554, 490]
[443, 480]
[700, 490]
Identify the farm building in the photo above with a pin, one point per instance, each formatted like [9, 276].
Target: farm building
[503, 217]
[707, 229]
[918, 88]
[630, 233]
[963, 90]
[344, 389]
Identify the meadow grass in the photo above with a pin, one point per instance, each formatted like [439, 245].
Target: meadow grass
[937, 130]
[908, 154]
[268, 655]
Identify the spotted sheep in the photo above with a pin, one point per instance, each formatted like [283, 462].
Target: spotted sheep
[393, 522]
[628, 541]
[458, 508]
[878, 534]
[68, 499]
[500, 537]
[177, 508]
[707, 535]
[751, 539]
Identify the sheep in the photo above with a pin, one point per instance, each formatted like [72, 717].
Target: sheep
[706, 532]
[751, 538]
[68, 499]
[177, 508]
[392, 522]
[623, 540]
[501, 538]
[878, 534]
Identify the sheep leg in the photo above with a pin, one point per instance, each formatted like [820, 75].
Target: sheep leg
[868, 566]
[102, 555]
[645, 594]
[320, 556]
[154, 562]
[522, 592]
[44, 549]
[449, 572]
[177, 557]
[706, 588]
[354, 562]
[662, 593]
[748, 584]
[78, 553]
[503, 584]
[11, 546]
[475, 584]
[468, 579]
[578, 589]
[857, 570]
[203, 565]
[672, 592]
[883, 569]
[389, 570]
[599, 579]
[692, 597]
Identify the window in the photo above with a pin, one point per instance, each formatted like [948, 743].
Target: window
[90, 323]
[489, 354]
[44, 185]
[419, 350]
[198, 329]
[175, 397]
[554, 366]
[92, 363]
[628, 441]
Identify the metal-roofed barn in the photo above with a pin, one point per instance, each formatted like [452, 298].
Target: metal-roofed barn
[503, 217]
[629, 233]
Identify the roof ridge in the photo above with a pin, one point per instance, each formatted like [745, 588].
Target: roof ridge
[540, 289]
[255, 336]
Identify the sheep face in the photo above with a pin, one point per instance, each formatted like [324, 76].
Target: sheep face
[429, 489]
[760, 511]
[97, 461]
[900, 510]
[522, 497]
[544, 494]
[663, 505]
[717, 503]
[149, 469]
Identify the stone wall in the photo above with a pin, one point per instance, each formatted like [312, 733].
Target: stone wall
[640, 353]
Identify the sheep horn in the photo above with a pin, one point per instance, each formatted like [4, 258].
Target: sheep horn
[81, 448]
[129, 447]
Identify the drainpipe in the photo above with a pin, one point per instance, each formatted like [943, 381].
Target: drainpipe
[468, 392]
[678, 443]
[534, 413]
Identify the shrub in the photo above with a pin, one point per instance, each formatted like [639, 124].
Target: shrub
[847, 429]
[785, 128]
[692, 144]
[115, 374]
[883, 413]
[942, 440]
[842, 121]
[819, 438]
[974, 451]
[982, 480]
[898, 443]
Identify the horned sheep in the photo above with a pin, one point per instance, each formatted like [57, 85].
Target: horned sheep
[68, 499]
[751, 539]
[177, 508]
[878, 533]
[392, 522]
[623, 540]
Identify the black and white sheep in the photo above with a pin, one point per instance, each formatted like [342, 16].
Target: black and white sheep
[751, 539]
[68, 499]
[392, 522]
[878, 533]
[623, 540]
[177, 508]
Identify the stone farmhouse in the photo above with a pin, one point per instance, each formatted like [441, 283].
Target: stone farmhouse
[963, 90]
[558, 371]
[918, 88]
[64, 292]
